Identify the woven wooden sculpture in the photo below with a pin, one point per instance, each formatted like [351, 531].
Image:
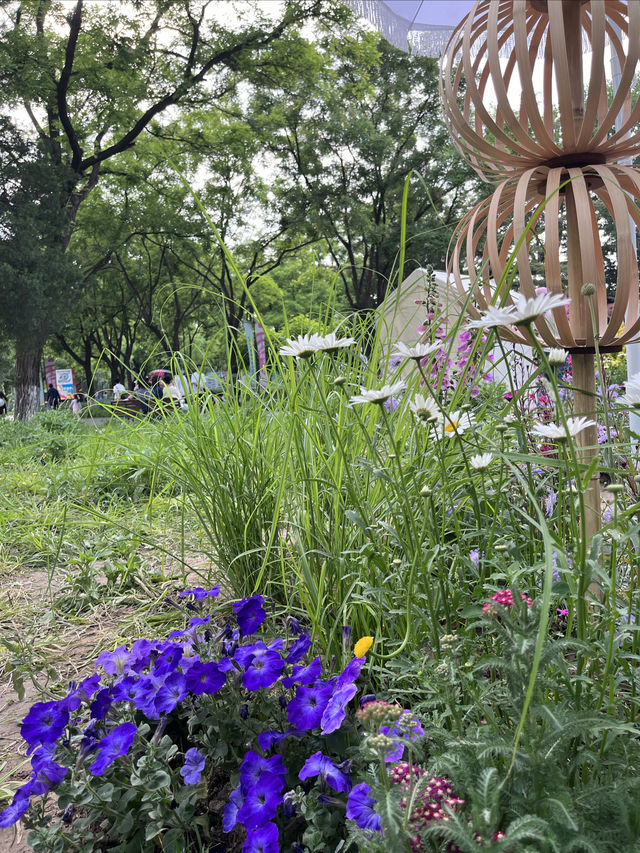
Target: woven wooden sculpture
[507, 116]
[555, 154]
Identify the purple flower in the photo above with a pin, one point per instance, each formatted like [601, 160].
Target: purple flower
[360, 808]
[405, 728]
[45, 722]
[474, 556]
[319, 765]
[169, 659]
[231, 809]
[255, 765]
[172, 691]
[101, 704]
[263, 670]
[115, 744]
[293, 625]
[46, 771]
[261, 801]
[131, 688]
[199, 592]
[267, 739]
[346, 636]
[250, 614]
[350, 672]
[299, 649]
[335, 711]
[549, 502]
[304, 674]
[262, 840]
[114, 662]
[205, 678]
[18, 806]
[193, 766]
[307, 707]
[82, 693]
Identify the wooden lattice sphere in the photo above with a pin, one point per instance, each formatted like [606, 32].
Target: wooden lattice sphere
[508, 114]
[499, 238]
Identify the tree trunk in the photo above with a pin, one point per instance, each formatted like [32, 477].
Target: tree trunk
[27, 383]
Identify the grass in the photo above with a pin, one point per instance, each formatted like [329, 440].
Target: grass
[358, 516]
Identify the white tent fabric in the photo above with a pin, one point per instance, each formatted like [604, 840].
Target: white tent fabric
[420, 27]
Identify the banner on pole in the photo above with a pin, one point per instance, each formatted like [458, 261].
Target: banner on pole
[65, 383]
[262, 355]
[248, 331]
[50, 371]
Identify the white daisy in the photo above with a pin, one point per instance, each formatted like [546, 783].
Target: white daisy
[523, 310]
[455, 423]
[331, 342]
[481, 461]
[417, 353]
[378, 395]
[557, 356]
[631, 397]
[425, 409]
[304, 346]
[556, 432]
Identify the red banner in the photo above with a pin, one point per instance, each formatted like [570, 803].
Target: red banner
[50, 372]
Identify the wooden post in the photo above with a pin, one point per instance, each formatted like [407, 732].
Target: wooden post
[583, 364]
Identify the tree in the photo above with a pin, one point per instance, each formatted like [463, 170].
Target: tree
[92, 81]
[362, 116]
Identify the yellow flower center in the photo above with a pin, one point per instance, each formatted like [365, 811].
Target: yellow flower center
[362, 646]
[452, 426]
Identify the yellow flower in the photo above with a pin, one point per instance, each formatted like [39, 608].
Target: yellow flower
[362, 646]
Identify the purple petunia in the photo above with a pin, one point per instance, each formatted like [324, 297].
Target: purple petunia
[262, 840]
[172, 691]
[250, 614]
[360, 808]
[262, 666]
[46, 771]
[199, 592]
[307, 707]
[350, 673]
[205, 678]
[336, 709]
[255, 765]
[17, 807]
[231, 809]
[115, 744]
[45, 722]
[299, 649]
[101, 704]
[114, 662]
[261, 801]
[193, 766]
[304, 674]
[320, 765]
[82, 692]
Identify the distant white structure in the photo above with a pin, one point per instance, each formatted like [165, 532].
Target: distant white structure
[405, 308]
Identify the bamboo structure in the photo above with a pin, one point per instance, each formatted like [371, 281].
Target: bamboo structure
[555, 158]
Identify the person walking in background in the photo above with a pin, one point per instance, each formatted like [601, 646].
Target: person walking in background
[76, 405]
[4, 402]
[52, 397]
